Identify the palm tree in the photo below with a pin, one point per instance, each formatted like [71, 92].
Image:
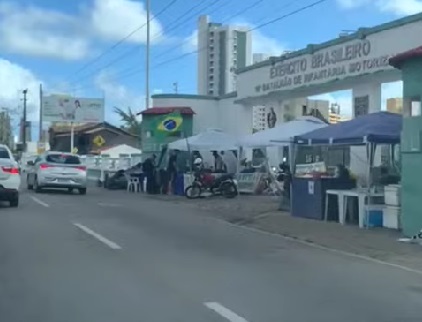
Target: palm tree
[131, 123]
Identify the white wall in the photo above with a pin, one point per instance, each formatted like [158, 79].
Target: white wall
[233, 118]
[223, 114]
[206, 110]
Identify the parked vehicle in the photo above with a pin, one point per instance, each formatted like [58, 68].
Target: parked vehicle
[225, 185]
[57, 170]
[10, 179]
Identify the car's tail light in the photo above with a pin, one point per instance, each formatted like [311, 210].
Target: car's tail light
[10, 170]
[44, 166]
[81, 167]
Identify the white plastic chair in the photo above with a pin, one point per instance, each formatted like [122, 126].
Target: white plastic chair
[133, 184]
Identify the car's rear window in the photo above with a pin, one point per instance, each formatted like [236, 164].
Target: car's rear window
[63, 159]
[4, 154]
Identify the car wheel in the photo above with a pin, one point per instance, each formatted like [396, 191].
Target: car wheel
[28, 186]
[36, 186]
[70, 190]
[14, 202]
[82, 191]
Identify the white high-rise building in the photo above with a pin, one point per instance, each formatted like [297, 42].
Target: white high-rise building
[221, 50]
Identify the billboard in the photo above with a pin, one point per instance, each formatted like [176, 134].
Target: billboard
[59, 108]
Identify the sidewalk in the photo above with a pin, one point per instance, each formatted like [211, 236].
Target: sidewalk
[261, 212]
[380, 244]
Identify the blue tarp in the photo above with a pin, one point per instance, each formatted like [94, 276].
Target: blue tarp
[381, 127]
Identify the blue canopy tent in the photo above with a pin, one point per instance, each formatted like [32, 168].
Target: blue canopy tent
[368, 130]
[381, 128]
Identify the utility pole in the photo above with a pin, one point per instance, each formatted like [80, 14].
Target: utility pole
[25, 91]
[176, 87]
[148, 7]
[41, 138]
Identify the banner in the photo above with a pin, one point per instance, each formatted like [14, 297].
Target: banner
[60, 108]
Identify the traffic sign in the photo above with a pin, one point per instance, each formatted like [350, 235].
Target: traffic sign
[99, 141]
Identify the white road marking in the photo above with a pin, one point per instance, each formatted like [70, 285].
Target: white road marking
[40, 202]
[102, 239]
[224, 312]
[324, 248]
[111, 205]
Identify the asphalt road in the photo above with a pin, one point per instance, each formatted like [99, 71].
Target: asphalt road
[118, 257]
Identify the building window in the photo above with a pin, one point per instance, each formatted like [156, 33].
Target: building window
[211, 64]
[211, 92]
[211, 56]
[211, 77]
[211, 70]
[211, 34]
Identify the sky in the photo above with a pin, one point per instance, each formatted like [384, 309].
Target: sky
[76, 46]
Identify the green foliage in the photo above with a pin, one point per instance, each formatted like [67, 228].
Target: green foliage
[130, 121]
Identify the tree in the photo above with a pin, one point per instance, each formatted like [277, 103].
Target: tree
[129, 119]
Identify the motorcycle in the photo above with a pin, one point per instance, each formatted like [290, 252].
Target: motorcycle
[225, 185]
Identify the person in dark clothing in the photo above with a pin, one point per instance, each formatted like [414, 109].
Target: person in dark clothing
[287, 181]
[149, 170]
[172, 170]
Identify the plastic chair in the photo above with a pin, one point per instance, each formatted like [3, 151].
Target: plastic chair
[133, 184]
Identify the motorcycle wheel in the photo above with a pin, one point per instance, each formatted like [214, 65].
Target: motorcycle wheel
[228, 190]
[193, 192]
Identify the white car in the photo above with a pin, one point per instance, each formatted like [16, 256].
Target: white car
[57, 170]
[10, 179]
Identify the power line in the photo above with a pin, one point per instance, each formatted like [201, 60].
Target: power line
[224, 20]
[133, 50]
[313, 4]
[118, 43]
[124, 55]
[132, 72]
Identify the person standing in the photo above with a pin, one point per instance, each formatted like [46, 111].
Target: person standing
[218, 162]
[271, 118]
[172, 170]
[149, 170]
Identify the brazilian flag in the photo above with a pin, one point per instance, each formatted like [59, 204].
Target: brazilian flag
[169, 123]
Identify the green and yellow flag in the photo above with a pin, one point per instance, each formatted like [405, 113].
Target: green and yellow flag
[169, 123]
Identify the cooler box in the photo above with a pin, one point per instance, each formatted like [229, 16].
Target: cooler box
[180, 185]
[374, 216]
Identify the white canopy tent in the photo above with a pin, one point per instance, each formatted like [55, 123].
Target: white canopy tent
[209, 140]
[273, 140]
[282, 134]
